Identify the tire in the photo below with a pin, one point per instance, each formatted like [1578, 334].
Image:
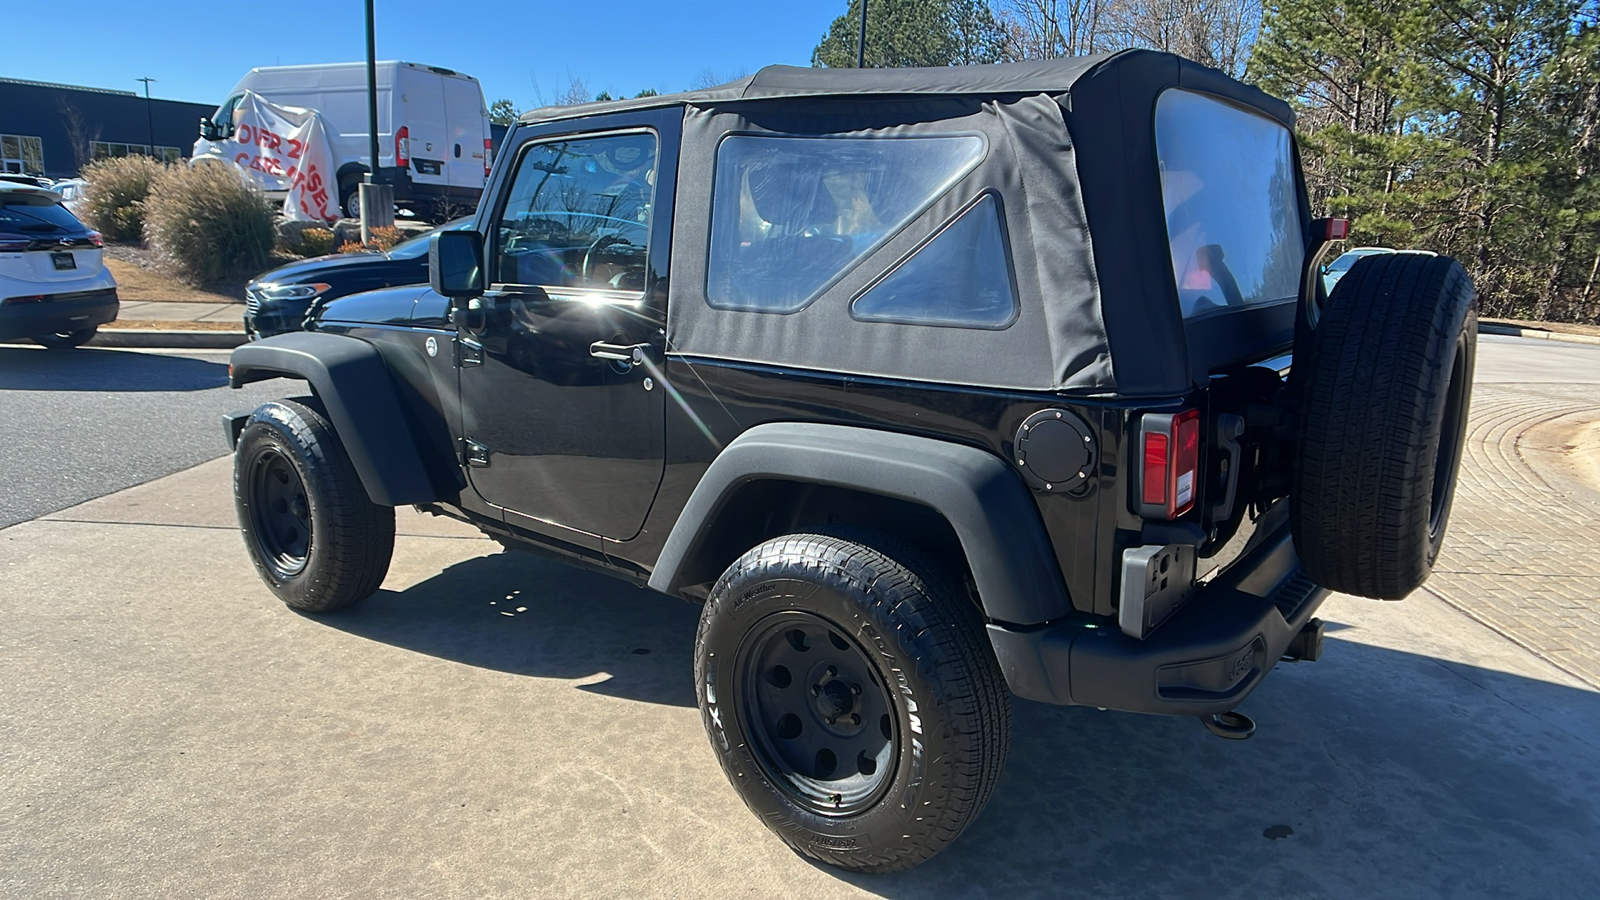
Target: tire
[319, 543]
[350, 199]
[807, 628]
[66, 340]
[1388, 384]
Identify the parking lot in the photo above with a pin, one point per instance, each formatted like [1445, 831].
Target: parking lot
[492, 724]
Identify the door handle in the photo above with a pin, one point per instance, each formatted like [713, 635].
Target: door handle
[631, 354]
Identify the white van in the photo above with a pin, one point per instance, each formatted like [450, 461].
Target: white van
[433, 128]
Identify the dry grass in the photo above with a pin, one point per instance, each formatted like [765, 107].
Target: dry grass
[151, 325]
[140, 276]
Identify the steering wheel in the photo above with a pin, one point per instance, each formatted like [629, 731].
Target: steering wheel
[599, 244]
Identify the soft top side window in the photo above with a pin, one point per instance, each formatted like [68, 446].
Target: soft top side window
[790, 215]
[960, 277]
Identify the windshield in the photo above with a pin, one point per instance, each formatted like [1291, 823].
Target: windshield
[413, 248]
[29, 214]
[1233, 214]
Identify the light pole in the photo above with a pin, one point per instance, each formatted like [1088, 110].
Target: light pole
[149, 120]
[861, 44]
[367, 196]
[372, 94]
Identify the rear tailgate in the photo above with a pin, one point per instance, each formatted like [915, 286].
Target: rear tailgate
[421, 112]
[467, 121]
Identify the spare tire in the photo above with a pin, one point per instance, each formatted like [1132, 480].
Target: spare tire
[1385, 385]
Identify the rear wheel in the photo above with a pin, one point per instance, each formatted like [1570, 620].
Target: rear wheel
[1387, 386]
[350, 199]
[318, 542]
[853, 703]
[66, 340]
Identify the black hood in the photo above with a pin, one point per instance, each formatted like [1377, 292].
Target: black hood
[319, 267]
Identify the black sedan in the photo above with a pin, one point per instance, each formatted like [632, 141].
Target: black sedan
[286, 297]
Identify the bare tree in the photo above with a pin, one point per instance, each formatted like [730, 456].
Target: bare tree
[1045, 29]
[569, 91]
[79, 134]
[1217, 33]
[709, 78]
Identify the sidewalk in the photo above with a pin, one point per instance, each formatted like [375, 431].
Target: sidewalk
[188, 325]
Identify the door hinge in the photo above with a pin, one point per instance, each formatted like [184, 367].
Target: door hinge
[474, 454]
[468, 352]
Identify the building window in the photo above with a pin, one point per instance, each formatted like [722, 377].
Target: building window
[21, 154]
[109, 149]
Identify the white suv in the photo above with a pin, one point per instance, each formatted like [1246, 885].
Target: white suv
[54, 287]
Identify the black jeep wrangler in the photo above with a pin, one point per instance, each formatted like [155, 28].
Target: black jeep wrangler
[932, 385]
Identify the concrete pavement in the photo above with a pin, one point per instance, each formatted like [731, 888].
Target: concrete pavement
[1519, 555]
[495, 725]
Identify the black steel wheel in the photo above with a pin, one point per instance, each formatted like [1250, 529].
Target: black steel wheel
[819, 713]
[315, 537]
[66, 340]
[852, 700]
[281, 514]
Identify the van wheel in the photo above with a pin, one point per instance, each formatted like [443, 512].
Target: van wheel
[853, 703]
[318, 541]
[1387, 386]
[350, 199]
[66, 340]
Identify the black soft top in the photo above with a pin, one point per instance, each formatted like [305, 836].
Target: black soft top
[1071, 152]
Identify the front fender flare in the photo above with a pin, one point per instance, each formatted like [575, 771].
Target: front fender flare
[983, 499]
[353, 383]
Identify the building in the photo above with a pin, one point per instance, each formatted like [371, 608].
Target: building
[54, 129]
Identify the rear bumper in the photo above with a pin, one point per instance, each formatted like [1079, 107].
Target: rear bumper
[58, 313]
[408, 188]
[1205, 659]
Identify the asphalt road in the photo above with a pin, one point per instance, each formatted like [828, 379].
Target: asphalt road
[83, 423]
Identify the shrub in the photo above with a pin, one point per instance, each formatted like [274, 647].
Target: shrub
[381, 239]
[114, 195]
[315, 242]
[208, 224]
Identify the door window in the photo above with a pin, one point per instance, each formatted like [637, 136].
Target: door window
[578, 215]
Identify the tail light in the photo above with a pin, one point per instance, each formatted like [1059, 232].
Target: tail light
[1169, 472]
[95, 239]
[488, 157]
[12, 243]
[402, 147]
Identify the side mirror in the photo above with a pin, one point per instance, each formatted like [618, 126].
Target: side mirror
[208, 131]
[455, 265]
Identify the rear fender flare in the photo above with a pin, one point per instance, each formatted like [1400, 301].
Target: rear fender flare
[353, 383]
[986, 503]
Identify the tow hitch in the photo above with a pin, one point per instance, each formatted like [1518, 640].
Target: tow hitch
[1231, 725]
[1307, 645]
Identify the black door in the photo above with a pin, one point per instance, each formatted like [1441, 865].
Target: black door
[562, 409]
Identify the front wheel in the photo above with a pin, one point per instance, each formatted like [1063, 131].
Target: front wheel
[852, 701]
[318, 541]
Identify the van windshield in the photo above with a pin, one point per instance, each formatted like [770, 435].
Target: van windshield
[1233, 214]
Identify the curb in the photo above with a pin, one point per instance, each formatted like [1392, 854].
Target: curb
[172, 340]
[1536, 334]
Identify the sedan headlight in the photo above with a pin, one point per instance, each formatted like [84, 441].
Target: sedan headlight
[270, 291]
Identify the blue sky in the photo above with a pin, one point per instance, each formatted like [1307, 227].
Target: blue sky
[197, 50]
